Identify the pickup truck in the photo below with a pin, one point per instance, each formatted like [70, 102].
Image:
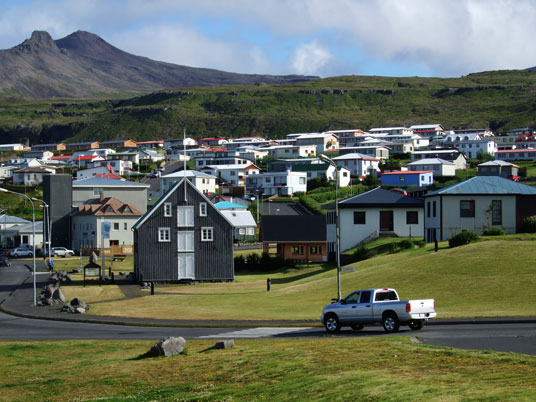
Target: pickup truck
[377, 306]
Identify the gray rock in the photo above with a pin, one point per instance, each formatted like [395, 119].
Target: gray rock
[79, 310]
[58, 296]
[76, 302]
[169, 346]
[228, 343]
[47, 301]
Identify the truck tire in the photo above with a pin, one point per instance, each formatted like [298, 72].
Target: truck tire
[416, 324]
[357, 327]
[390, 323]
[332, 323]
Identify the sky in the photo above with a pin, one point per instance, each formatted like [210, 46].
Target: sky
[442, 38]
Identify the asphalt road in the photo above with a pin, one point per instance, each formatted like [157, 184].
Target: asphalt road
[519, 338]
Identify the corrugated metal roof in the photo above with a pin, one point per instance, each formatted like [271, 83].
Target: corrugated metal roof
[486, 185]
[378, 198]
[239, 218]
[228, 205]
[12, 219]
[431, 161]
[103, 182]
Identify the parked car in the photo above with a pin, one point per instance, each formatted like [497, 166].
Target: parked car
[61, 252]
[20, 252]
[377, 306]
[4, 261]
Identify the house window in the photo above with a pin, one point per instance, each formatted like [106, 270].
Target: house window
[185, 216]
[496, 212]
[167, 209]
[434, 209]
[185, 241]
[428, 208]
[401, 178]
[242, 231]
[207, 234]
[360, 218]
[97, 192]
[116, 225]
[316, 249]
[202, 209]
[297, 250]
[467, 209]
[125, 226]
[302, 180]
[251, 231]
[164, 234]
[412, 217]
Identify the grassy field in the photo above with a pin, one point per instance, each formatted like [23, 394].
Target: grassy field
[332, 369]
[493, 273]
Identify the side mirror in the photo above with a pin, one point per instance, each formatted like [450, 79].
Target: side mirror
[343, 301]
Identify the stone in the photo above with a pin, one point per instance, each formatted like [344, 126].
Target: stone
[76, 302]
[58, 296]
[227, 344]
[79, 310]
[169, 346]
[93, 258]
[47, 301]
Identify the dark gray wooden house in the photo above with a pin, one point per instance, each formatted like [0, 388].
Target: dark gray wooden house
[183, 237]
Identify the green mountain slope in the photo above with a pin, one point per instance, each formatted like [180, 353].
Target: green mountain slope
[499, 100]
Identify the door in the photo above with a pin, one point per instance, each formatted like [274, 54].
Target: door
[348, 309]
[364, 307]
[186, 266]
[386, 221]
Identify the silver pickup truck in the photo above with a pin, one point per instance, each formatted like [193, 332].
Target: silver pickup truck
[377, 306]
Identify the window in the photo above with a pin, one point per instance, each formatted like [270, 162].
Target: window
[401, 178]
[251, 231]
[496, 212]
[207, 234]
[185, 216]
[233, 173]
[434, 209]
[302, 180]
[365, 297]
[97, 192]
[352, 298]
[185, 241]
[116, 225]
[428, 208]
[297, 250]
[360, 218]
[164, 234]
[167, 209]
[125, 226]
[202, 209]
[315, 249]
[242, 231]
[412, 217]
[467, 209]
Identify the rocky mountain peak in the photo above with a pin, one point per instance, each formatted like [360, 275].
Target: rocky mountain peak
[38, 40]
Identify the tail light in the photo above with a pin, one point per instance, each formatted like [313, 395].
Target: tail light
[408, 308]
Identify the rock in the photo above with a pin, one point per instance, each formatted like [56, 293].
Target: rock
[93, 258]
[67, 309]
[76, 302]
[169, 346]
[227, 344]
[58, 296]
[79, 310]
[47, 301]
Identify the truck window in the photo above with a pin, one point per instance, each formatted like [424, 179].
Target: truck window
[352, 298]
[365, 297]
[389, 295]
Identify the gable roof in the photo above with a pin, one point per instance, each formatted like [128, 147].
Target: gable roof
[188, 173]
[294, 228]
[483, 185]
[431, 161]
[109, 206]
[406, 172]
[5, 219]
[378, 198]
[497, 162]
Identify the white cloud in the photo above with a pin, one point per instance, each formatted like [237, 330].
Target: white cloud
[310, 58]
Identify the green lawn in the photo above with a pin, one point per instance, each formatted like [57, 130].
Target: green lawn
[330, 368]
[493, 273]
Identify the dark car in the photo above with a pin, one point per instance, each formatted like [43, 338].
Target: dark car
[4, 261]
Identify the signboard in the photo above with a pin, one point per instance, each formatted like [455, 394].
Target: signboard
[106, 229]
[92, 271]
[348, 269]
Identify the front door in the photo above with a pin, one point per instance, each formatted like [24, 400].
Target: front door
[386, 221]
[186, 266]
[364, 307]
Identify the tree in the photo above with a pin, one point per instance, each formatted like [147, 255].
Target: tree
[371, 180]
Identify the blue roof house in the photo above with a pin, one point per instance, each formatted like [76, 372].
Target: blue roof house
[408, 178]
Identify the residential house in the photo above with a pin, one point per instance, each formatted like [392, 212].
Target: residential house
[120, 166]
[119, 144]
[94, 171]
[478, 204]
[471, 148]
[452, 155]
[439, 166]
[298, 237]
[280, 183]
[371, 151]
[376, 212]
[244, 225]
[347, 137]
[87, 220]
[156, 144]
[12, 147]
[516, 154]
[358, 164]
[291, 151]
[233, 175]
[31, 176]
[7, 222]
[24, 233]
[318, 170]
[204, 182]
[6, 171]
[498, 168]
[41, 155]
[212, 142]
[83, 161]
[322, 141]
[134, 193]
[183, 237]
[282, 165]
[408, 178]
[82, 145]
[428, 130]
[179, 143]
[48, 147]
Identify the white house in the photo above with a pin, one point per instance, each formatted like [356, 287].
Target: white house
[439, 166]
[477, 204]
[372, 151]
[317, 170]
[234, 175]
[365, 216]
[428, 130]
[280, 183]
[391, 130]
[7, 171]
[291, 151]
[179, 142]
[31, 176]
[471, 148]
[205, 183]
[12, 147]
[91, 172]
[322, 141]
[244, 226]
[358, 164]
[452, 155]
[120, 167]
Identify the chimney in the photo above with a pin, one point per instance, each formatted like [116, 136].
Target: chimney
[101, 196]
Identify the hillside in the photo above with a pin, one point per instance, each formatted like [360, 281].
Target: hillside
[83, 65]
[500, 100]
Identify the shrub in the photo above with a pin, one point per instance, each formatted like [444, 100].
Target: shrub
[312, 205]
[362, 253]
[406, 244]
[420, 243]
[252, 261]
[494, 231]
[529, 224]
[392, 248]
[462, 238]
[239, 263]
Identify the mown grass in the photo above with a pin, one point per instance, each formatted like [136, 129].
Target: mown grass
[484, 279]
[332, 369]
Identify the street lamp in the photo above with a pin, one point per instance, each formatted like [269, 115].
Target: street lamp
[48, 225]
[337, 223]
[33, 237]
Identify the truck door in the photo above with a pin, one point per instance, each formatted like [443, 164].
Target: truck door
[348, 309]
[364, 307]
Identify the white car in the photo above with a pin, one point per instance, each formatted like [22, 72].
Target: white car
[20, 252]
[61, 252]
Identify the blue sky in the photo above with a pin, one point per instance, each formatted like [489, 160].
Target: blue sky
[445, 38]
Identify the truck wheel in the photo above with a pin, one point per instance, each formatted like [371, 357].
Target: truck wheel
[332, 323]
[391, 323]
[416, 324]
[357, 327]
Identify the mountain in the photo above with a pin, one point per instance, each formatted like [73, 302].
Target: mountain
[83, 65]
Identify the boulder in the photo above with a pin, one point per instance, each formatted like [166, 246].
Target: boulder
[58, 296]
[169, 346]
[79, 310]
[229, 343]
[76, 302]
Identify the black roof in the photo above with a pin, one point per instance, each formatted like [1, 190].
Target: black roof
[378, 197]
[290, 228]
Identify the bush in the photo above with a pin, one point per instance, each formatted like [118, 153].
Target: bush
[312, 205]
[406, 244]
[392, 248]
[462, 238]
[529, 224]
[239, 263]
[362, 253]
[420, 243]
[494, 231]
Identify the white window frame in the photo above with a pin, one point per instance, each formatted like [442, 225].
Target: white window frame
[185, 212]
[202, 209]
[168, 211]
[207, 233]
[251, 231]
[164, 235]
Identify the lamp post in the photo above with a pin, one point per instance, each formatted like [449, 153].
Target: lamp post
[33, 237]
[337, 223]
[47, 225]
